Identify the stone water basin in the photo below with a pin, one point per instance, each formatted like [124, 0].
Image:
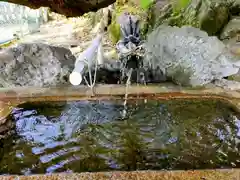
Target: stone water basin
[158, 131]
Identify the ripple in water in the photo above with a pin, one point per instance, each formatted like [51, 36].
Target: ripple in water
[88, 136]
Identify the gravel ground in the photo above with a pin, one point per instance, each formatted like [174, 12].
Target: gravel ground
[73, 33]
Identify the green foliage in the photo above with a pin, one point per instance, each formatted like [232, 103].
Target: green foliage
[182, 15]
[179, 5]
[134, 10]
[145, 4]
[114, 32]
[173, 15]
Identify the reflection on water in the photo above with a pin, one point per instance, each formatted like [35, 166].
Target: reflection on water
[92, 136]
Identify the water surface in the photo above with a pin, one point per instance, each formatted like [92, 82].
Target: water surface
[94, 136]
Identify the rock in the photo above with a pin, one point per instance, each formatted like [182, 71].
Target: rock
[235, 9]
[158, 12]
[107, 73]
[235, 49]
[7, 126]
[228, 85]
[209, 15]
[232, 29]
[213, 16]
[231, 36]
[189, 56]
[68, 8]
[34, 64]
[113, 72]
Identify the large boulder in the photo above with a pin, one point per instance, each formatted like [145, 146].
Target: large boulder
[189, 56]
[39, 65]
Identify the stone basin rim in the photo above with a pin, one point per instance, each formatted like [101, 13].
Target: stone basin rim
[165, 90]
[213, 174]
[13, 97]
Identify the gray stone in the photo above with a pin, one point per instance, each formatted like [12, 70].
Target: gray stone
[189, 56]
[38, 65]
[232, 29]
[231, 36]
[228, 85]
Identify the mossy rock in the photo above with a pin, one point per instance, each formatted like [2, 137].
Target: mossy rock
[232, 29]
[157, 13]
[210, 15]
[235, 77]
[213, 17]
[170, 12]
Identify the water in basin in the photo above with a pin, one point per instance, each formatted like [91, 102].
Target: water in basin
[89, 136]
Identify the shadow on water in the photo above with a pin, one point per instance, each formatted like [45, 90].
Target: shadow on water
[91, 136]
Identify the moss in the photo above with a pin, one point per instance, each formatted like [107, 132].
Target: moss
[213, 21]
[181, 20]
[134, 10]
[176, 13]
[8, 43]
[209, 16]
[195, 87]
[179, 5]
[183, 14]
[114, 32]
[157, 17]
[234, 78]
